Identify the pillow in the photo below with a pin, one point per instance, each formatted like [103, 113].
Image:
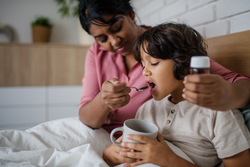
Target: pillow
[246, 114]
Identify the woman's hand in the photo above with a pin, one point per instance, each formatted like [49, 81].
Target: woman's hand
[212, 91]
[115, 94]
[112, 157]
[150, 151]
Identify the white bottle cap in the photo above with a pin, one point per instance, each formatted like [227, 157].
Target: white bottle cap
[200, 62]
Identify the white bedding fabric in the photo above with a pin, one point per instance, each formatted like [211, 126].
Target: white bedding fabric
[64, 142]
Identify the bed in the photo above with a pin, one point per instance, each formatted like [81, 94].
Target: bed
[68, 142]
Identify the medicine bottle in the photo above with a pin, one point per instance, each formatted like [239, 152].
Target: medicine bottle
[200, 65]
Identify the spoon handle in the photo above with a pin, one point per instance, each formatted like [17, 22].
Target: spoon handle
[141, 89]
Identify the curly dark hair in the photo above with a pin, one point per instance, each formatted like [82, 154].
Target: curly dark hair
[90, 11]
[174, 41]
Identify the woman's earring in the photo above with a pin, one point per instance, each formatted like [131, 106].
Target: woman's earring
[134, 21]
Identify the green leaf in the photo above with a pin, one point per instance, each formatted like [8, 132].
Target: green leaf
[41, 20]
[64, 10]
[67, 7]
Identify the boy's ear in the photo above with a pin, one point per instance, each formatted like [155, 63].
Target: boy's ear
[132, 14]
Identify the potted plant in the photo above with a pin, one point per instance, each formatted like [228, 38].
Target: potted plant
[69, 8]
[41, 29]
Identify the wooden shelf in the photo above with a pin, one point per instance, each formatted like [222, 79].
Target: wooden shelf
[41, 64]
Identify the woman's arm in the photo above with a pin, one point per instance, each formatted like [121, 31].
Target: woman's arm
[242, 159]
[212, 91]
[222, 90]
[96, 99]
[113, 95]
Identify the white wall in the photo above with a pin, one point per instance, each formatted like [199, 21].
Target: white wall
[210, 17]
[20, 13]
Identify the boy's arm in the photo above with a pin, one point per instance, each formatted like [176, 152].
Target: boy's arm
[242, 159]
[152, 151]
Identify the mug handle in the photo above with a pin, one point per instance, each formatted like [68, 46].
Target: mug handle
[112, 134]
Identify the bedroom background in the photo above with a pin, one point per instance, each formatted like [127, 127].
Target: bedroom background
[51, 88]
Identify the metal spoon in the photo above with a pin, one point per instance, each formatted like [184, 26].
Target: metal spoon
[141, 89]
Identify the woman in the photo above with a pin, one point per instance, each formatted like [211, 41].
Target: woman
[110, 69]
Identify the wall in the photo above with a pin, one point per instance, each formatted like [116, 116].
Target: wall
[20, 13]
[210, 17]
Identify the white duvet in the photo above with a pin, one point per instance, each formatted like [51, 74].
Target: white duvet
[64, 142]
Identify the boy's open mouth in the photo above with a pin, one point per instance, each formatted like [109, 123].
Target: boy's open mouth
[152, 87]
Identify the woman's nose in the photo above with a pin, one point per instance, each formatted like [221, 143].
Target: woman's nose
[115, 40]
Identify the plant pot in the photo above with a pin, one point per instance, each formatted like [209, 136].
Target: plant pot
[41, 33]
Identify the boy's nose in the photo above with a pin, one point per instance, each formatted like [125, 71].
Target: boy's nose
[146, 72]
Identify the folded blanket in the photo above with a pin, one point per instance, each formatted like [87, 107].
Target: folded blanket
[65, 142]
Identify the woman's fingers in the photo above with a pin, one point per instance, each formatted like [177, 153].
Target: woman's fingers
[201, 78]
[115, 94]
[198, 98]
[114, 85]
[207, 90]
[118, 102]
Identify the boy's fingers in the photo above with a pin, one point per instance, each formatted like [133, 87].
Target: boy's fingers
[134, 155]
[139, 138]
[160, 138]
[133, 146]
[119, 140]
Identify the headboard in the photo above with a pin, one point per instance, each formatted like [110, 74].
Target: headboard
[231, 51]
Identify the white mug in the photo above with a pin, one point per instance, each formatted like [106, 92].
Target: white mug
[135, 126]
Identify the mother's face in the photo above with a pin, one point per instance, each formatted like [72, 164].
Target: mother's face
[119, 36]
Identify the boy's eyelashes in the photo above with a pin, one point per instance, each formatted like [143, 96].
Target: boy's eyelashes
[153, 64]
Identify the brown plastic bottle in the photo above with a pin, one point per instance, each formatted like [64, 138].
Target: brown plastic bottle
[200, 65]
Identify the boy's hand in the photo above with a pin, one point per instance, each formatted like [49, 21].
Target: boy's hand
[112, 157]
[150, 151]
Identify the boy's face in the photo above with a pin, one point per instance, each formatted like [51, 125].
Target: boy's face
[160, 77]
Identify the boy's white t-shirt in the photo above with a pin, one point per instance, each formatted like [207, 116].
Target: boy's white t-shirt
[205, 135]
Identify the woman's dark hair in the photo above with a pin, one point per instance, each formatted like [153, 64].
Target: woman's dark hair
[90, 11]
[174, 41]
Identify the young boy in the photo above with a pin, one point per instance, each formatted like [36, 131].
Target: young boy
[207, 136]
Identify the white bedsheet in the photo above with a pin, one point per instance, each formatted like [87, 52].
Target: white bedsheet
[64, 142]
